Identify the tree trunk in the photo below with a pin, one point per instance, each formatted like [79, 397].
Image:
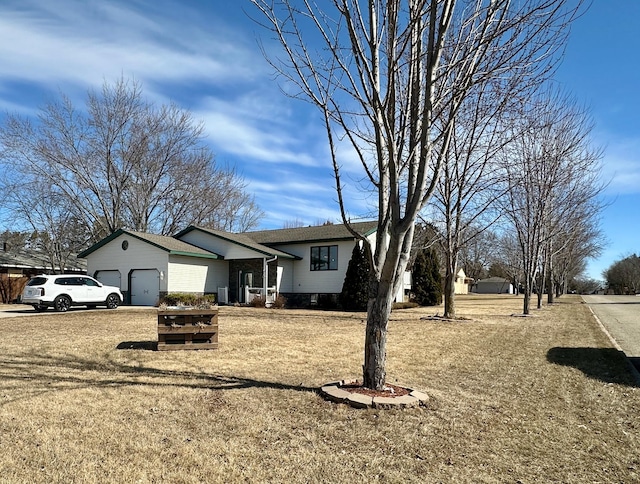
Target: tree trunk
[541, 284]
[551, 284]
[526, 309]
[375, 343]
[450, 287]
[449, 296]
[384, 285]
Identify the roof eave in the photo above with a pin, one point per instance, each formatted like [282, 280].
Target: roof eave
[212, 255]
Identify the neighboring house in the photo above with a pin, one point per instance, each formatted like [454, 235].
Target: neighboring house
[462, 282]
[27, 262]
[493, 285]
[302, 264]
[18, 265]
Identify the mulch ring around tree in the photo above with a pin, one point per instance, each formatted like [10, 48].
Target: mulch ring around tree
[351, 392]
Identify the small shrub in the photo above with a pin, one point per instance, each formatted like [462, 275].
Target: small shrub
[258, 302]
[279, 302]
[189, 299]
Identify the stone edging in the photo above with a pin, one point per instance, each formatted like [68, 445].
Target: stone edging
[333, 391]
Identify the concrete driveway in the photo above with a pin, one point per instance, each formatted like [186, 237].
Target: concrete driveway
[17, 310]
[620, 315]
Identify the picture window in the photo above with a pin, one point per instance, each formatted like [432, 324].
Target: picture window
[324, 258]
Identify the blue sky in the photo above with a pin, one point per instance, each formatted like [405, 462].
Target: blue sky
[204, 56]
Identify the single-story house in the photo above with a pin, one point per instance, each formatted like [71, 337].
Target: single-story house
[302, 264]
[17, 265]
[19, 262]
[493, 285]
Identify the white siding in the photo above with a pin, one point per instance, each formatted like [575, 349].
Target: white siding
[139, 255]
[192, 274]
[229, 250]
[286, 281]
[307, 281]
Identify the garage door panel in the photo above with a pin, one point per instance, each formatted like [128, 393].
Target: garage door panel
[110, 278]
[145, 287]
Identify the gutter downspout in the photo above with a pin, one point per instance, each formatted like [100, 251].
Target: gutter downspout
[265, 272]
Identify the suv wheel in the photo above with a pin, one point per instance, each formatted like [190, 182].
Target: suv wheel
[113, 301]
[62, 303]
[39, 308]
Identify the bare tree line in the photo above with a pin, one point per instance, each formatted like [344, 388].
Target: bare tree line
[395, 79]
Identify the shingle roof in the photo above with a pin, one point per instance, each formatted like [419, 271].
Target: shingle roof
[174, 245]
[243, 239]
[312, 234]
[169, 244]
[32, 259]
[261, 241]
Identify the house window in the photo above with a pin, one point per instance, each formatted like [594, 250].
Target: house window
[324, 258]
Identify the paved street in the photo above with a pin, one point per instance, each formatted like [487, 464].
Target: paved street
[621, 316]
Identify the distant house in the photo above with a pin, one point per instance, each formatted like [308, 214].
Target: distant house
[303, 264]
[18, 265]
[26, 262]
[462, 283]
[493, 285]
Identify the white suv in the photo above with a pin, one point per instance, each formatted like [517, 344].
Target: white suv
[65, 290]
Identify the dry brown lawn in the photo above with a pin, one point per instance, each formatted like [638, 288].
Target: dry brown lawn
[538, 399]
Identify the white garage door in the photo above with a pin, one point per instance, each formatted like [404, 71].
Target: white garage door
[145, 287]
[109, 278]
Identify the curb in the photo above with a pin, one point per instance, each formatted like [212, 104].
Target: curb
[634, 371]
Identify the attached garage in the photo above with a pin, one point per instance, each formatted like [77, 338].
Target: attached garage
[147, 266]
[145, 287]
[109, 278]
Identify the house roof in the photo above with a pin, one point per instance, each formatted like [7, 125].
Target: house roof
[312, 234]
[33, 259]
[495, 279]
[262, 241]
[168, 244]
[243, 240]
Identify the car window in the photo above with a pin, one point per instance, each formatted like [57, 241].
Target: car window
[37, 281]
[90, 282]
[69, 281]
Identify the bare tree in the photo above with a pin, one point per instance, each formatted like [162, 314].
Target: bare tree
[552, 173]
[378, 72]
[55, 232]
[577, 241]
[464, 201]
[479, 253]
[122, 163]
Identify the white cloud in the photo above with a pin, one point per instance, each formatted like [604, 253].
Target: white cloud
[84, 43]
[621, 165]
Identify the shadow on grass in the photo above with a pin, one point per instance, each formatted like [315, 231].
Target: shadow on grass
[138, 345]
[604, 364]
[27, 375]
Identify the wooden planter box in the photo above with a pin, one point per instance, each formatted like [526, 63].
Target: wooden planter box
[187, 329]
